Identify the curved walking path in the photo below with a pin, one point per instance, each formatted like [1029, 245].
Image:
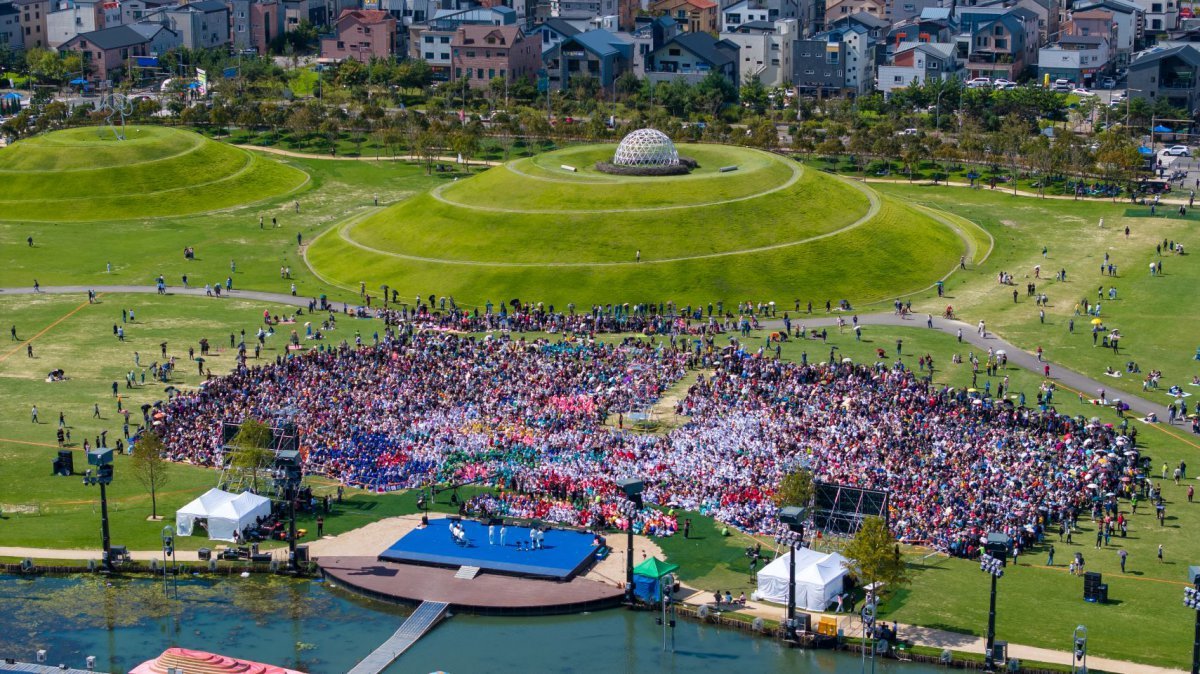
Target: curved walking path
[872, 211]
[436, 193]
[309, 155]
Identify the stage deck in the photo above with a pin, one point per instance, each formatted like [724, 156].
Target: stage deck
[563, 553]
[486, 593]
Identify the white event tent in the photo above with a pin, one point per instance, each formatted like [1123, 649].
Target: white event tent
[222, 513]
[819, 579]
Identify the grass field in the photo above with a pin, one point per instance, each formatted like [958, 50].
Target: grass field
[1159, 325]
[781, 238]
[85, 175]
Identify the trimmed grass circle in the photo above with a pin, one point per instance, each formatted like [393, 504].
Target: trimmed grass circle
[771, 230]
[84, 175]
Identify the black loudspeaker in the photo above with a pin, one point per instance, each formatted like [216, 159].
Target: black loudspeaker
[264, 557]
[1102, 594]
[301, 554]
[1091, 586]
[204, 554]
[66, 462]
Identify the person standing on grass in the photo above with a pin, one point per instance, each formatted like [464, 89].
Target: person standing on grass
[1050, 554]
[1160, 553]
[1123, 554]
[95, 410]
[34, 416]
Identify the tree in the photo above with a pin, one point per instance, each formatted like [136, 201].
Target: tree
[754, 95]
[150, 467]
[251, 449]
[874, 555]
[795, 489]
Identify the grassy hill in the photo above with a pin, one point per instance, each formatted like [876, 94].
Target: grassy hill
[87, 175]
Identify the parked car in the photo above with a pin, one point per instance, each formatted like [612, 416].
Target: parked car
[1002, 83]
[1080, 91]
[909, 132]
[1062, 85]
[979, 82]
[1108, 83]
[1178, 151]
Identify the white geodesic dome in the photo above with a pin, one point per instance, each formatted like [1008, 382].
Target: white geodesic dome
[646, 147]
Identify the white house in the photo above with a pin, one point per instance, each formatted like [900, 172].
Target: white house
[765, 49]
[918, 62]
[742, 12]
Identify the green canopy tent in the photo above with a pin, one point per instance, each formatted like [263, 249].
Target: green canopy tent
[647, 577]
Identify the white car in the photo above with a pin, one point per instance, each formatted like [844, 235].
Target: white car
[1178, 151]
[1002, 83]
[1061, 85]
[979, 83]
[1080, 91]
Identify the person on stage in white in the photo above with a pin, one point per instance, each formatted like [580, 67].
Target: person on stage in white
[533, 538]
[503, 533]
[491, 534]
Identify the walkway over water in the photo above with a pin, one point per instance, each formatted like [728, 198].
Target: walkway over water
[421, 621]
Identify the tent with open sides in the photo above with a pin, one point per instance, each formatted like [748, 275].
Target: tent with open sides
[222, 513]
[648, 575]
[819, 579]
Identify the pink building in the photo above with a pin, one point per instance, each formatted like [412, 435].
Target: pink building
[361, 34]
[484, 53]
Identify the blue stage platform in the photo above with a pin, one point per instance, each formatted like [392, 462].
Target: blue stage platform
[564, 553]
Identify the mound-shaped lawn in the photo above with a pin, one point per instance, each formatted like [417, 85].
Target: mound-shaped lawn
[536, 229]
[81, 175]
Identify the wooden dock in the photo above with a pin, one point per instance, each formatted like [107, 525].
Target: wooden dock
[421, 621]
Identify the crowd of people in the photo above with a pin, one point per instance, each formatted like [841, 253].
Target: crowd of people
[536, 420]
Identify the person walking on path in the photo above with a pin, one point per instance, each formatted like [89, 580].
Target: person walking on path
[95, 410]
[1050, 555]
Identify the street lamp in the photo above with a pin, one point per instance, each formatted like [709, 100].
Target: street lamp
[633, 492]
[168, 541]
[792, 518]
[1191, 599]
[992, 563]
[101, 458]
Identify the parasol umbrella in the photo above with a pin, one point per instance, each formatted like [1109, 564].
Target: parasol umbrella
[1001, 352]
[199, 359]
[1095, 420]
[1096, 321]
[1092, 485]
[847, 360]
[1126, 479]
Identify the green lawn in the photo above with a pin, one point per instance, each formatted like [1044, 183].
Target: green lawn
[84, 175]
[1159, 329]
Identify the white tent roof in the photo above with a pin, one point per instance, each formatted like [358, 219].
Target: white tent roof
[819, 578]
[223, 513]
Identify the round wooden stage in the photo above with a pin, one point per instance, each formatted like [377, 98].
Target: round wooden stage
[485, 593]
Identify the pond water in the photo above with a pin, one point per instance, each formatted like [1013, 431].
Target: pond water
[305, 625]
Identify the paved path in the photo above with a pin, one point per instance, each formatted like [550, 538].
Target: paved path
[1068, 379]
[326, 157]
[935, 638]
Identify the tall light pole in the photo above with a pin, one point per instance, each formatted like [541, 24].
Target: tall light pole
[792, 518]
[633, 491]
[1191, 599]
[994, 567]
[102, 457]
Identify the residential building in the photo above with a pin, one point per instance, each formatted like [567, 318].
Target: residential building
[595, 53]
[696, 16]
[839, 61]
[692, 56]
[106, 52]
[34, 33]
[361, 34]
[133, 11]
[1172, 74]
[431, 40]
[1161, 16]
[738, 13]
[296, 12]
[896, 11]
[650, 34]
[484, 53]
[83, 16]
[876, 27]
[1129, 22]
[11, 34]
[1081, 59]
[582, 8]
[554, 31]
[918, 62]
[765, 49]
[200, 25]
[255, 23]
[999, 45]
[840, 9]
[918, 30]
